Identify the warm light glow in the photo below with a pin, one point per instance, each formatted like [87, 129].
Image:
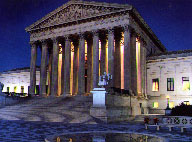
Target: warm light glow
[60, 44]
[171, 104]
[155, 85]
[85, 51]
[167, 97]
[99, 57]
[122, 61]
[155, 104]
[15, 89]
[59, 74]
[186, 84]
[71, 72]
[106, 57]
[138, 66]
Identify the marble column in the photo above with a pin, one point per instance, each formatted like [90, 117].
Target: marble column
[103, 56]
[90, 65]
[95, 59]
[63, 68]
[143, 68]
[133, 64]
[117, 61]
[54, 85]
[67, 67]
[75, 68]
[50, 52]
[127, 58]
[33, 68]
[43, 71]
[111, 54]
[81, 74]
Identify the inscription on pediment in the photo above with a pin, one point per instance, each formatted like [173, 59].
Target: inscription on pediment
[74, 12]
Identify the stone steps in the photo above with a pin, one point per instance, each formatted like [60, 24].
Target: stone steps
[69, 110]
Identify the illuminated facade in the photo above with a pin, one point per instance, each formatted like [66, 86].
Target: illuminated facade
[81, 40]
[169, 79]
[18, 80]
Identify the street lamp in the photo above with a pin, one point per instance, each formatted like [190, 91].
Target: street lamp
[167, 110]
[167, 97]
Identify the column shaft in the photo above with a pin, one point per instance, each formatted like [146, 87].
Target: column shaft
[133, 64]
[50, 71]
[111, 54]
[75, 68]
[67, 67]
[54, 86]
[63, 69]
[143, 68]
[103, 57]
[81, 74]
[43, 74]
[33, 69]
[95, 59]
[90, 65]
[117, 61]
[127, 59]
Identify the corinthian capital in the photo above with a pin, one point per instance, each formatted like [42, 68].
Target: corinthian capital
[110, 31]
[126, 27]
[95, 33]
[32, 44]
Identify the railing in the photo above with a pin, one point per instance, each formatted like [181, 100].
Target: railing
[177, 120]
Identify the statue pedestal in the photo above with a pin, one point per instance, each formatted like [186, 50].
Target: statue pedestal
[98, 110]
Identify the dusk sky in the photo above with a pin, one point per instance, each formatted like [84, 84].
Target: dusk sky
[170, 20]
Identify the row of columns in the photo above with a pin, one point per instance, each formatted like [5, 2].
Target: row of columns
[114, 64]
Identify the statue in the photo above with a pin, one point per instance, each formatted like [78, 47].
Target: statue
[104, 80]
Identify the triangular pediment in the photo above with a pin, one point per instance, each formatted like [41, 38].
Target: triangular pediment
[76, 10]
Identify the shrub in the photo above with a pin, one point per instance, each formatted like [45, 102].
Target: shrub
[182, 110]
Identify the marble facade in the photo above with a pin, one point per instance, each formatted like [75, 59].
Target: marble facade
[115, 37]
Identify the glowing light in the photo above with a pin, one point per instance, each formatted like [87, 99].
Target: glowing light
[60, 44]
[138, 66]
[155, 84]
[155, 104]
[59, 74]
[171, 104]
[186, 84]
[71, 72]
[122, 60]
[85, 51]
[106, 57]
[99, 57]
[15, 89]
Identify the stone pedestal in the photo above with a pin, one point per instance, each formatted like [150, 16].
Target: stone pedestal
[98, 110]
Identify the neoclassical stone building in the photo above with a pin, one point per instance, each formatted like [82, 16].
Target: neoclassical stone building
[81, 40]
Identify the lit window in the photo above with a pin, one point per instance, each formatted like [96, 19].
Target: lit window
[155, 84]
[186, 103]
[155, 104]
[186, 84]
[171, 104]
[15, 89]
[170, 84]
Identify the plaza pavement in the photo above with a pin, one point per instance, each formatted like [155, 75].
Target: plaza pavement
[37, 119]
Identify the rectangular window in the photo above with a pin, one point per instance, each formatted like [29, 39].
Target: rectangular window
[155, 104]
[170, 84]
[15, 89]
[155, 84]
[186, 84]
[186, 103]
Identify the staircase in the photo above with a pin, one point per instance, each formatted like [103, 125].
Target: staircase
[51, 109]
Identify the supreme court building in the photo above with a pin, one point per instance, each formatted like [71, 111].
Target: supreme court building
[81, 40]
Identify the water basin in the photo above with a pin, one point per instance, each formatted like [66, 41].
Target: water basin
[105, 137]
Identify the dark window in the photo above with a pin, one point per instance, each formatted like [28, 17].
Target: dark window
[170, 84]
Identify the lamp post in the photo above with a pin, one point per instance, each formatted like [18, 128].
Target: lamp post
[167, 97]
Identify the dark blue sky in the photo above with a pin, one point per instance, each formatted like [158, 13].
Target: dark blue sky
[170, 20]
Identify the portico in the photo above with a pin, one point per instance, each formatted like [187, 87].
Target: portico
[81, 40]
